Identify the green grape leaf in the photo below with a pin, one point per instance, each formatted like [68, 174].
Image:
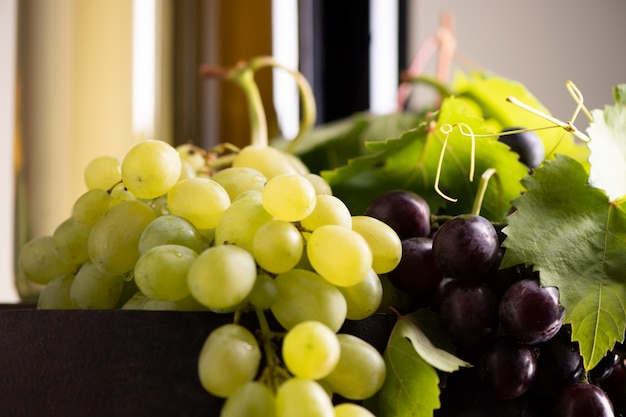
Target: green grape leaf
[608, 146]
[491, 93]
[576, 238]
[411, 387]
[410, 162]
[423, 329]
[330, 145]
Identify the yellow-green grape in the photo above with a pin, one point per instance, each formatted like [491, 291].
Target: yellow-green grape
[361, 370]
[299, 397]
[119, 194]
[340, 255]
[161, 272]
[139, 301]
[202, 201]
[229, 358]
[192, 155]
[91, 206]
[151, 168]
[70, 241]
[170, 229]
[277, 246]
[328, 210]
[93, 289]
[383, 241]
[265, 159]
[319, 183]
[39, 263]
[113, 242]
[310, 350]
[363, 299]
[289, 197]
[222, 277]
[304, 295]
[55, 295]
[103, 172]
[252, 399]
[241, 220]
[238, 180]
[186, 171]
[349, 409]
[264, 292]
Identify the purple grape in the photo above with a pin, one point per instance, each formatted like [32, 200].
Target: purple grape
[404, 211]
[604, 368]
[529, 313]
[469, 312]
[465, 246]
[528, 145]
[559, 364]
[416, 273]
[507, 369]
[582, 399]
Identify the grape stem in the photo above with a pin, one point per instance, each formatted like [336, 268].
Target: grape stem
[274, 374]
[482, 188]
[243, 75]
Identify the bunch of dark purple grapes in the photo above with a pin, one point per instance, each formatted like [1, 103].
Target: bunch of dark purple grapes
[502, 321]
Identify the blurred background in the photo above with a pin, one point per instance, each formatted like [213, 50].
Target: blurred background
[84, 78]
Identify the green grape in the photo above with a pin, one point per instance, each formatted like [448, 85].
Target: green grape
[349, 409]
[267, 160]
[264, 292]
[277, 246]
[186, 171]
[192, 155]
[319, 183]
[304, 295]
[310, 350]
[39, 263]
[289, 197]
[238, 180]
[241, 220]
[383, 241]
[252, 399]
[140, 301]
[299, 397]
[91, 206]
[328, 210]
[151, 168]
[119, 194]
[70, 241]
[159, 205]
[229, 358]
[360, 372]
[340, 255]
[94, 289]
[202, 201]
[115, 237]
[170, 229]
[222, 277]
[55, 295]
[103, 172]
[161, 272]
[363, 299]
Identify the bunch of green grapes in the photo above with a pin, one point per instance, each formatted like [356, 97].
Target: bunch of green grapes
[163, 229]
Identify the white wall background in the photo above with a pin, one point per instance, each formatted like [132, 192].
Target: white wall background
[540, 43]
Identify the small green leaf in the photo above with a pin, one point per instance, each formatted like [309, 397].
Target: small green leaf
[411, 388]
[423, 329]
[576, 238]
